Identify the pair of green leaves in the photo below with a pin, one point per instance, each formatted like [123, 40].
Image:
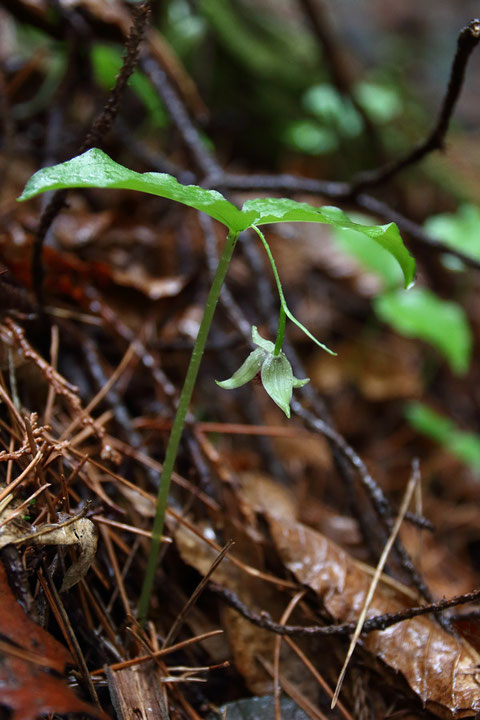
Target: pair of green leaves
[275, 371]
[96, 169]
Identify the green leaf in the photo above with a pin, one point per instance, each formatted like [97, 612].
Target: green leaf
[370, 256]
[458, 230]
[421, 314]
[382, 103]
[309, 137]
[272, 210]
[96, 169]
[464, 445]
[245, 372]
[277, 379]
[299, 383]
[333, 109]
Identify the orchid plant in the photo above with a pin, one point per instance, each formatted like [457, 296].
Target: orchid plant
[96, 169]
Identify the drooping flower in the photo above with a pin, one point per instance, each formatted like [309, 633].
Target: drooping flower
[275, 372]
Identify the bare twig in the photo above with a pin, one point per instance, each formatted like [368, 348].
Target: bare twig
[467, 41]
[203, 159]
[380, 622]
[276, 651]
[172, 633]
[100, 126]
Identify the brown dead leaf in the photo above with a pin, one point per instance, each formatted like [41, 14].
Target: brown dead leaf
[25, 687]
[260, 493]
[153, 288]
[440, 668]
[81, 532]
[69, 531]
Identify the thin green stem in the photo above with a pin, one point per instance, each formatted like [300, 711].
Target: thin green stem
[179, 423]
[283, 302]
[282, 319]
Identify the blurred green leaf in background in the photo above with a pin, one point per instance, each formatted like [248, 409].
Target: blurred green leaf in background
[106, 63]
[421, 314]
[459, 230]
[463, 445]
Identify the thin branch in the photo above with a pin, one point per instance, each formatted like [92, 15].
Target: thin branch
[379, 622]
[202, 157]
[379, 501]
[467, 41]
[337, 191]
[368, 202]
[100, 126]
[412, 483]
[177, 623]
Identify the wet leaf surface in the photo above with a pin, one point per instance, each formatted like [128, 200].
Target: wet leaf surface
[440, 668]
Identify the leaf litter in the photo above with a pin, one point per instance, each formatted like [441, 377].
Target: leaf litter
[26, 685]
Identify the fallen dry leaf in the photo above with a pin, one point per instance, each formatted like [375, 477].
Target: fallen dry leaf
[440, 669]
[25, 686]
[70, 531]
[81, 532]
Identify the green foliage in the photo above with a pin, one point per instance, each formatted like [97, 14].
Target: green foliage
[459, 230]
[106, 63]
[96, 169]
[421, 314]
[463, 445]
[259, 44]
[309, 137]
[185, 28]
[332, 118]
[31, 40]
[333, 110]
[381, 102]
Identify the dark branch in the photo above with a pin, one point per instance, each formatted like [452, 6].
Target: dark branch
[203, 159]
[380, 622]
[467, 41]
